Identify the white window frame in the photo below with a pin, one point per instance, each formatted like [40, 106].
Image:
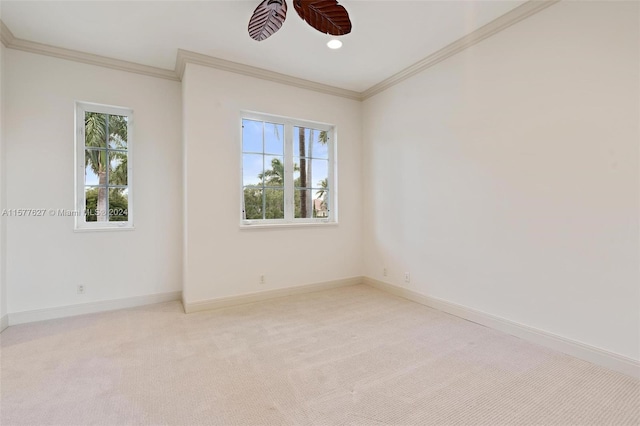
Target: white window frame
[289, 190]
[80, 223]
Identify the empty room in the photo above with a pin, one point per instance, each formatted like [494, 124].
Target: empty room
[320, 212]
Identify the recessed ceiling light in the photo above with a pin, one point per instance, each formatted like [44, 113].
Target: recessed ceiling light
[334, 44]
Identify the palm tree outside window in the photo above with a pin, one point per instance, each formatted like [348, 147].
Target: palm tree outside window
[104, 175]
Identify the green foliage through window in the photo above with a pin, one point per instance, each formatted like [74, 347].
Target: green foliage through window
[106, 167]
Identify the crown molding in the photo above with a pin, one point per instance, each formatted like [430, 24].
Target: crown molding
[186, 57]
[183, 57]
[516, 15]
[6, 36]
[12, 42]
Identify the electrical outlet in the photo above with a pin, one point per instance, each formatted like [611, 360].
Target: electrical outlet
[263, 279]
[80, 289]
[384, 272]
[407, 277]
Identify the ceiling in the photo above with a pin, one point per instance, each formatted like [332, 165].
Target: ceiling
[387, 36]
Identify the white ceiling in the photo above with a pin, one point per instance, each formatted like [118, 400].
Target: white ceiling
[387, 36]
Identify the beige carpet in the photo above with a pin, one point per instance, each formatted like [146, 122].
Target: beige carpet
[353, 355]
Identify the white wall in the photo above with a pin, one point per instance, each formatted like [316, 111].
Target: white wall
[46, 259]
[223, 260]
[3, 223]
[505, 178]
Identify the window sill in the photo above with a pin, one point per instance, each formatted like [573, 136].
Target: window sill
[244, 226]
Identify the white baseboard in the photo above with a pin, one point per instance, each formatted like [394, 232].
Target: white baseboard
[4, 322]
[580, 350]
[574, 348]
[242, 299]
[90, 308]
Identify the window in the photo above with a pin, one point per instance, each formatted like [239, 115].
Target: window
[103, 167]
[287, 171]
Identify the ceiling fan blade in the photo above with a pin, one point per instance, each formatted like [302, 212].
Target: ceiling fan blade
[326, 16]
[267, 19]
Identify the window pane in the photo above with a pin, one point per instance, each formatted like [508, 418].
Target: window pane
[300, 142]
[117, 168]
[252, 169]
[319, 172]
[253, 203]
[274, 171]
[95, 170]
[309, 172]
[95, 130]
[296, 172]
[320, 147]
[118, 131]
[252, 136]
[314, 143]
[274, 203]
[320, 203]
[303, 204]
[118, 205]
[274, 139]
[95, 203]
[90, 178]
[301, 176]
